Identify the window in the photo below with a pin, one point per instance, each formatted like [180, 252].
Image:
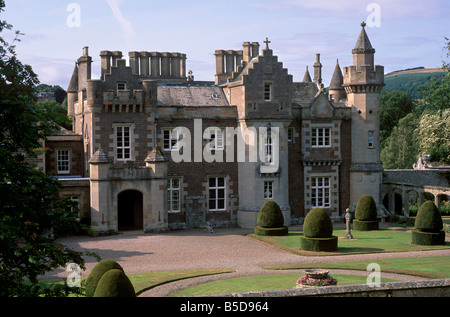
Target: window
[121, 85]
[320, 192]
[267, 92]
[63, 161]
[268, 190]
[123, 143]
[170, 140]
[217, 199]
[321, 137]
[173, 195]
[216, 140]
[370, 139]
[291, 135]
[268, 148]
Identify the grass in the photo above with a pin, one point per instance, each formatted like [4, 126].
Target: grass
[145, 281]
[383, 240]
[261, 283]
[429, 267]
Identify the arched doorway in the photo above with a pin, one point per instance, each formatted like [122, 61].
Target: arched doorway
[130, 210]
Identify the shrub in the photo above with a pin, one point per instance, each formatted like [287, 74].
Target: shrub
[96, 274]
[428, 225]
[114, 283]
[317, 224]
[428, 218]
[270, 220]
[366, 209]
[366, 214]
[270, 215]
[318, 232]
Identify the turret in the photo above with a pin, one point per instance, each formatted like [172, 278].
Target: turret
[363, 82]
[307, 76]
[336, 90]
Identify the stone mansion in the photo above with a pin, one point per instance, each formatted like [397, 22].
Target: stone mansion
[152, 149]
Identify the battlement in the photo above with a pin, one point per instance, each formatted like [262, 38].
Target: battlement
[150, 65]
[363, 78]
[230, 61]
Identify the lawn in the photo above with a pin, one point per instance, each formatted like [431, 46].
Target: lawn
[145, 281]
[261, 283]
[429, 267]
[383, 240]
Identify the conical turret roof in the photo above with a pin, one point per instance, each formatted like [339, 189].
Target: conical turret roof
[363, 44]
[307, 77]
[73, 86]
[337, 80]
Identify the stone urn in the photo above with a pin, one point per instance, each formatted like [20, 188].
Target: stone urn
[317, 277]
[316, 274]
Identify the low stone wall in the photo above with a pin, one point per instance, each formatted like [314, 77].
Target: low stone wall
[428, 288]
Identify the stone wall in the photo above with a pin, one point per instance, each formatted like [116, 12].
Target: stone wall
[429, 288]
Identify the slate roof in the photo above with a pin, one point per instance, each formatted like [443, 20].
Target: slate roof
[100, 157]
[156, 156]
[203, 94]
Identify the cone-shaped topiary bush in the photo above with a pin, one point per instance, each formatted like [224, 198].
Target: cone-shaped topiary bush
[318, 232]
[114, 283]
[97, 272]
[270, 215]
[270, 220]
[366, 214]
[318, 224]
[428, 226]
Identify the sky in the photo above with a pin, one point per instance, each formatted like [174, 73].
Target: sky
[404, 33]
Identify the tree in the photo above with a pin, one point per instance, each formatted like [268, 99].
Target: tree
[394, 105]
[401, 147]
[433, 132]
[30, 209]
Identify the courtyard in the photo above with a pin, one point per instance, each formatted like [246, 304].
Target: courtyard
[232, 253]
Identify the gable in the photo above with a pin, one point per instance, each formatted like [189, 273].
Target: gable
[321, 107]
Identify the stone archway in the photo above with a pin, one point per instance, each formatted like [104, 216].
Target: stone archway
[130, 211]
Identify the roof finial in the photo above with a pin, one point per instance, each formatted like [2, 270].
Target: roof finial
[363, 24]
[267, 43]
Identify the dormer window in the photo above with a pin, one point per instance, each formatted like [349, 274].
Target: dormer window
[121, 85]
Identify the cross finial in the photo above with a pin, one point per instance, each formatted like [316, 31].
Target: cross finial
[267, 43]
[363, 24]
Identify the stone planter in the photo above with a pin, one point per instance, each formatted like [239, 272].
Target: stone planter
[316, 275]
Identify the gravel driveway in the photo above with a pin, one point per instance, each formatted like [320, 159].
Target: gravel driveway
[197, 249]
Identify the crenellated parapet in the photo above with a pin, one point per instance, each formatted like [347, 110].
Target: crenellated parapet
[362, 79]
[229, 63]
[158, 65]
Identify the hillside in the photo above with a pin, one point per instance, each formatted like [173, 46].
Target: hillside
[411, 79]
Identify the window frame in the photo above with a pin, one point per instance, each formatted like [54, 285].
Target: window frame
[170, 192]
[124, 83]
[60, 160]
[216, 188]
[318, 140]
[268, 92]
[370, 139]
[320, 194]
[216, 146]
[268, 148]
[172, 146]
[123, 147]
[268, 188]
